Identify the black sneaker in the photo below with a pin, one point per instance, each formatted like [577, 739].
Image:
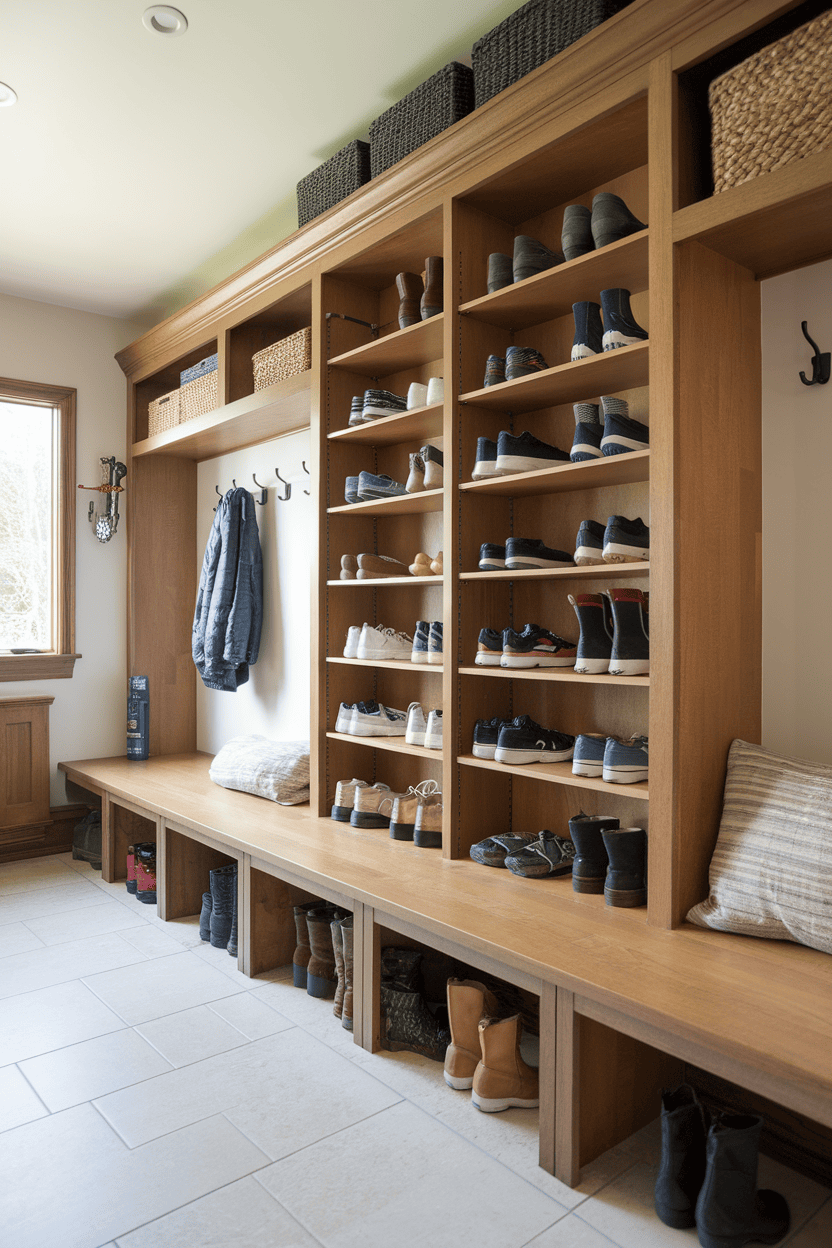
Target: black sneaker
[525, 741]
[485, 465]
[529, 552]
[626, 541]
[493, 850]
[548, 855]
[486, 734]
[489, 648]
[526, 453]
[589, 544]
[536, 647]
[492, 557]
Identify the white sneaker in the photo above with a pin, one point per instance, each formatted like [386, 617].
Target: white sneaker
[351, 645]
[345, 798]
[384, 722]
[433, 732]
[417, 395]
[436, 391]
[344, 720]
[383, 643]
[415, 732]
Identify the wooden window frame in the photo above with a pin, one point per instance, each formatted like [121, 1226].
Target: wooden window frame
[60, 663]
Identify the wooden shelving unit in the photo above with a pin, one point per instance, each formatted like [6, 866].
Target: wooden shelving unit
[556, 773]
[418, 423]
[589, 475]
[608, 373]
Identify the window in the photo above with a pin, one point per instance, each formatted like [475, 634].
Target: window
[37, 531]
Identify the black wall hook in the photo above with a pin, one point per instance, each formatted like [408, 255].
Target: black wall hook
[217, 488]
[820, 361]
[306, 470]
[284, 498]
[263, 491]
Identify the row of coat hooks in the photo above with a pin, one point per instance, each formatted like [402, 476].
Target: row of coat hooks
[264, 489]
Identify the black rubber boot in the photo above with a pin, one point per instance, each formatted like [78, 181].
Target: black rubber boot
[223, 888]
[631, 638]
[595, 642]
[682, 1167]
[589, 870]
[407, 1024]
[627, 851]
[730, 1211]
[232, 939]
[205, 918]
[576, 236]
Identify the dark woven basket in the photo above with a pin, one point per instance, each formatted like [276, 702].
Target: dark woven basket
[445, 98]
[532, 36]
[333, 181]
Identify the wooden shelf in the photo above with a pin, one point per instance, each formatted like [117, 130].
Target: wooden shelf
[270, 413]
[555, 673]
[396, 581]
[588, 475]
[774, 223]
[551, 294]
[412, 426]
[398, 665]
[557, 773]
[407, 348]
[607, 373]
[401, 505]
[394, 745]
[605, 570]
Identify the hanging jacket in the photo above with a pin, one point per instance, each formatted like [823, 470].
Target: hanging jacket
[229, 603]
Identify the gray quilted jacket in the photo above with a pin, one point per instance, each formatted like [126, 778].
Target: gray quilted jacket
[229, 603]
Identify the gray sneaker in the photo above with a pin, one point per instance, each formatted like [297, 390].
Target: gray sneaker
[371, 486]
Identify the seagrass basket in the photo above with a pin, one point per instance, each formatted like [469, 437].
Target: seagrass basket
[445, 98]
[333, 181]
[198, 396]
[774, 107]
[163, 413]
[283, 359]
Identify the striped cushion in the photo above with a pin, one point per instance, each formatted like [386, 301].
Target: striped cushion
[771, 873]
[278, 770]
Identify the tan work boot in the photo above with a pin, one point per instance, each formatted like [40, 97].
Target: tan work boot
[469, 1002]
[502, 1079]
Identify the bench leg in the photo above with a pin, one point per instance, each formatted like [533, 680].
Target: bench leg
[567, 1091]
[548, 1076]
[369, 999]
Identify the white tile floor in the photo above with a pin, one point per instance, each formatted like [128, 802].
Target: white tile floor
[152, 1097]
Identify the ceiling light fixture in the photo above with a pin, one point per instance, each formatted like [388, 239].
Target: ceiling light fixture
[163, 19]
[7, 95]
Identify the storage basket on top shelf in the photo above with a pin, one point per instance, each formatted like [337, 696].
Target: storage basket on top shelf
[532, 36]
[333, 181]
[283, 359]
[163, 413]
[198, 392]
[432, 107]
[774, 107]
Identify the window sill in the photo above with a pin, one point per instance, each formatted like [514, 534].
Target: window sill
[37, 666]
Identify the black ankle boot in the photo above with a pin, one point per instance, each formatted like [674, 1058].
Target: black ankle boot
[730, 1211]
[595, 642]
[627, 852]
[400, 968]
[631, 639]
[223, 887]
[682, 1166]
[407, 1024]
[589, 870]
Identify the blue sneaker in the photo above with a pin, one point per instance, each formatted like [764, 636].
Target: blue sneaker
[371, 486]
[588, 330]
[495, 370]
[351, 489]
[492, 557]
[526, 453]
[586, 443]
[620, 328]
[489, 648]
[625, 762]
[486, 736]
[522, 362]
[485, 464]
[589, 544]
[622, 434]
[421, 637]
[588, 758]
[435, 643]
[525, 741]
[626, 541]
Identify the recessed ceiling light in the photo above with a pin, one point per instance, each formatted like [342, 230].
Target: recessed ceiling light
[7, 95]
[163, 19]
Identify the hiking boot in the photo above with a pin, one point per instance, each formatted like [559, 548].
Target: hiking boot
[321, 972]
[432, 300]
[485, 464]
[407, 1025]
[502, 1079]
[536, 647]
[531, 256]
[588, 758]
[493, 851]
[595, 642]
[522, 362]
[526, 453]
[500, 271]
[525, 741]
[589, 870]
[586, 444]
[223, 888]
[576, 236]
[625, 762]
[347, 946]
[589, 331]
[630, 654]
[625, 881]
[495, 370]
[682, 1165]
[410, 289]
[406, 808]
[486, 735]
[546, 856]
[626, 541]
[612, 220]
[530, 552]
[589, 544]
[345, 791]
[427, 829]
[303, 952]
[469, 1003]
[620, 328]
[730, 1210]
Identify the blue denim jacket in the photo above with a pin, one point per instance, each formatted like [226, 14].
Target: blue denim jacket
[229, 604]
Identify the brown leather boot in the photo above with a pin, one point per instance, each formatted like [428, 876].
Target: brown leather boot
[469, 1001]
[321, 976]
[302, 954]
[346, 936]
[432, 300]
[502, 1079]
[410, 288]
[338, 950]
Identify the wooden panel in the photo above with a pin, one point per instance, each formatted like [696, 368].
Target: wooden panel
[548, 1078]
[24, 751]
[370, 953]
[554, 773]
[42, 840]
[419, 423]
[37, 666]
[401, 504]
[395, 352]
[554, 673]
[273, 935]
[184, 865]
[121, 827]
[568, 1086]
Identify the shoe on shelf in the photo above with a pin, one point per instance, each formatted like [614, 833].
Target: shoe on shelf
[588, 758]
[433, 731]
[410, 290]
[525, 741]
[500, 271]
[531, 256]
[380, 722]
[436, 391]
[469, 1003]
[631, 639]
[625, 762]
[349, 565]
[372, 485]
[536, 647]
[417, 395]
[547, 856]
[427, 830]
[344, 717]
[597, 631]
[437, 565]
[421, 641]
[626, 541]
[589, 331]
[435, 643]
[351, 489]
[502, 1079]
[486, 735]
[415, 482]
[380, 403]
[526, 453]
[380, 643]
[421, 565]
[493, 851]
[415, 731]
[620, 328]
[356, 411]
[522, 362]
[612, 220]
[485, 464]
[406, 808]
[489, 648]
[345, 791]
[433, 460]
[373, 806]
[372, 567]
[492, 557]
[625, 884]
[530, 552]
[589, 544]
[351, 644]
[622, 434]
[432, 300]
[589, 870]
[576, 236]
[495, 370]
[586, 443]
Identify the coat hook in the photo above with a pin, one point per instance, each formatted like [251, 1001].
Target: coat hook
[820, 361]
[263, 491]
[217, 488]
[284, 498]
[306, 470]
[234, 482]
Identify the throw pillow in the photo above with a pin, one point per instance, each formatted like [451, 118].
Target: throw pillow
[278, 770]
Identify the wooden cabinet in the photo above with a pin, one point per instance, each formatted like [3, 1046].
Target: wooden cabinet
[24, 774]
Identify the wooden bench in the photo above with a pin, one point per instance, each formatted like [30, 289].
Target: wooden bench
[623, 1006]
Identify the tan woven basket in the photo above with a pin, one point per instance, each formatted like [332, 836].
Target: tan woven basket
[283, 359]
[198, 397]
[775, 107]
[163, 413]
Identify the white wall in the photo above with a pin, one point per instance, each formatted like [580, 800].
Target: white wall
[61, 346]
[275, 701]
[797, 492]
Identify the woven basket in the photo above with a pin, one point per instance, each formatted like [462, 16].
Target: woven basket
[532, 36]
[333, 181]
[208, 365]
[283, 359]
[198, 397]
[773, 108]
[163, 413]
[445, 98]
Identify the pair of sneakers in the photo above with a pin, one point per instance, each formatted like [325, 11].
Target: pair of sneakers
[426, 470]
[523, 853]
[521, 453]
[522, 552]
[619, 541]
[370, 719]
[422, 730]
[377, 643]
[530, 256]
[375, 405]
[616, 434]
[517, 362]
[619, 327]
[427, 643]
[613, 759]
[520, 740]
[532, 647]
[410, 815]
[368, 486]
